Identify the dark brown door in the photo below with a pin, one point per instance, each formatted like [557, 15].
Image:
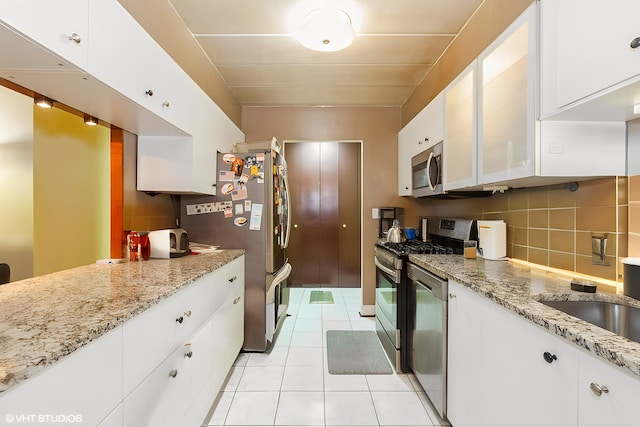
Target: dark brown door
[324, 181]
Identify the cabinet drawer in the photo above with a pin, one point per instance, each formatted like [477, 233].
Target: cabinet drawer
[164, 396]
[151, 336]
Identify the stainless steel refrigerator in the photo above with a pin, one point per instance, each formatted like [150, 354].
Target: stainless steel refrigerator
[251, 212]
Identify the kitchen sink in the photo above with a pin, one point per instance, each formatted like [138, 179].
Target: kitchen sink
[617, 318]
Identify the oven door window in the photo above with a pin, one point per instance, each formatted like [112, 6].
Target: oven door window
[387, 297]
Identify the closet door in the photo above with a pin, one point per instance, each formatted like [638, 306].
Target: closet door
[324, 248]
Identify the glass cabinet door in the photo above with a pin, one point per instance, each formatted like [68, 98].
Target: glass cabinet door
[460, 131]
[506, 104]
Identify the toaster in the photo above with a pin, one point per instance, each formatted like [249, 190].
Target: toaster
[169, 243]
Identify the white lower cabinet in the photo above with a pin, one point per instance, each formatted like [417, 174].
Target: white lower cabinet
[162, 398]
[464, 383]
[525, 368]
[185, 375]
[505, 371]
[79, 390]
[163, 368]
[618, 406]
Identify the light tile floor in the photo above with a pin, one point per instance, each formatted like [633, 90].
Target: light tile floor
[292, 386]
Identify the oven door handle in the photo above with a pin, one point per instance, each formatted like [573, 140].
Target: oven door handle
[387, 270]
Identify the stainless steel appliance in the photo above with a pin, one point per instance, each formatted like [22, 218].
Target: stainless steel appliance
[426, 172]
[250, 211]
[386, 217]
[398, 304]
[428, 338]
[393, 302]
[426, 176]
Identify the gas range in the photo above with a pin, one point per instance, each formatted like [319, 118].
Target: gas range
[410, 247]
[445, 236]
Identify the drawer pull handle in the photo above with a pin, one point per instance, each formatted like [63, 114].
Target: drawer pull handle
[233, 279]
[188, 354]
[548, 357]
[75, 37]
[180, 319]
[166, 104]
[235, 301]
[187, 313]
[149, 92]
[173, 373]
[452, 296]
[635, 43]
[598, 389]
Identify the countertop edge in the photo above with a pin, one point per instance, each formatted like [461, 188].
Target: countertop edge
[11, 377]
[599, 342]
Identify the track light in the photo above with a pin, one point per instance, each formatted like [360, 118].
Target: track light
[90, 120]
[43, 102]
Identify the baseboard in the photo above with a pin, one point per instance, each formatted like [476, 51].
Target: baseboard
[367, 311]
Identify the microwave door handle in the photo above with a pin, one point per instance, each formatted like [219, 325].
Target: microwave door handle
[429, 163]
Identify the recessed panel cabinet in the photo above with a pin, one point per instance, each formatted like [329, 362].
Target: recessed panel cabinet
[423, 131]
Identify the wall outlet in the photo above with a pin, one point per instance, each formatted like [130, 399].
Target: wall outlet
[375, 213]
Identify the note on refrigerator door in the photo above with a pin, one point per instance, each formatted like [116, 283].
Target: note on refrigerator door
[256, 216]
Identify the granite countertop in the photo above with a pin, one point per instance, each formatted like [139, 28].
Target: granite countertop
[519, 289]
[46, 318]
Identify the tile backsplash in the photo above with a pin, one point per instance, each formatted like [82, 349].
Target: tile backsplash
[553, 226]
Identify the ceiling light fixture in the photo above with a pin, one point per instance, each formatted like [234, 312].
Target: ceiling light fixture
[326, 29]
[90, 120]
[43, 102]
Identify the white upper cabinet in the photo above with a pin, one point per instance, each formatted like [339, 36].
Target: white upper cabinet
[590, 58]
[460, 131]
[517, 149]
[507, 76]
[423, 131]
[61, 26]
[126, 58]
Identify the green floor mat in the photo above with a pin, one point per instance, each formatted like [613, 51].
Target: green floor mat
[321, 297]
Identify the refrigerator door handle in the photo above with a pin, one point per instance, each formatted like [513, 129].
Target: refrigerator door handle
[286, 237]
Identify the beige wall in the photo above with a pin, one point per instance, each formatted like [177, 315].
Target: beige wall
[491, 19]
[378, 130]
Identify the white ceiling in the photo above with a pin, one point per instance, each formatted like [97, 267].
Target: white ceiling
[249, 42]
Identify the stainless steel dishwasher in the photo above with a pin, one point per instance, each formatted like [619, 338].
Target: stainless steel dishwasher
[428, 334]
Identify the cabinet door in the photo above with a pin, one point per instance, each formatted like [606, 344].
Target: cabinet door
[81, 389]
[127, 59]
[460, 131]
[423, 131]
[164, 396]
[506, 103]
[618, 407]
[62, 26]
[591, 50]
[525, 368]
[464, 385]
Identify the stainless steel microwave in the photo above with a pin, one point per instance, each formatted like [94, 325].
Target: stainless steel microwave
[426, 172]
